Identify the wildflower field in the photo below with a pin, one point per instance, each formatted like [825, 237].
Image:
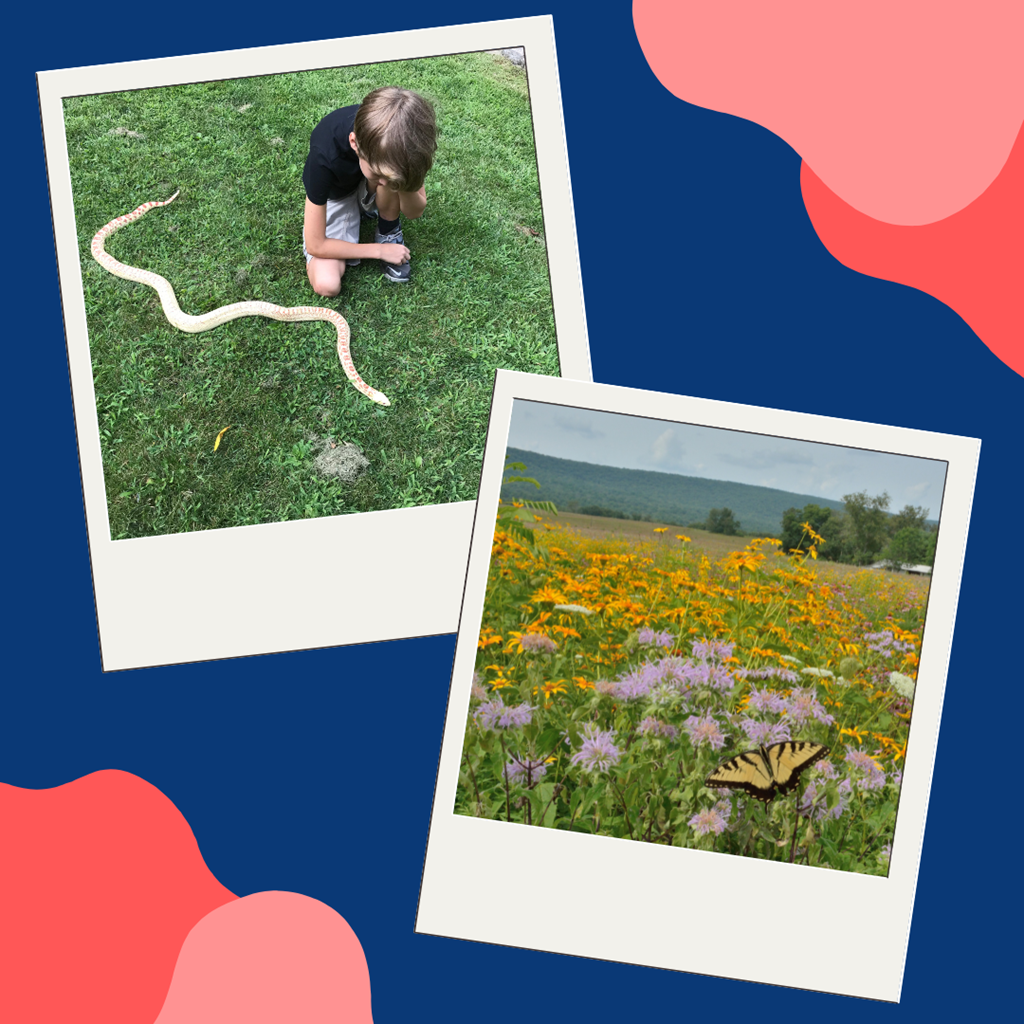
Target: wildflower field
[613, 676]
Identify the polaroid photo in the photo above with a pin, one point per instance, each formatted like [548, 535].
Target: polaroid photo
[697, 684]
[257, 482]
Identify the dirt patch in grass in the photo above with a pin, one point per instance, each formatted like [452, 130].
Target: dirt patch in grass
[344, 461]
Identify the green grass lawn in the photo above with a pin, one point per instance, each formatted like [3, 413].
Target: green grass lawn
[479, 298]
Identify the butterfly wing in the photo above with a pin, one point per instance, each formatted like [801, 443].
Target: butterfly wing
[748, 771]
[787, 760]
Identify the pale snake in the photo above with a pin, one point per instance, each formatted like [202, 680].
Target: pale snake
[207, 321]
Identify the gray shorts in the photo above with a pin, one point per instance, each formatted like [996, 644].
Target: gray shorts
[343, 218]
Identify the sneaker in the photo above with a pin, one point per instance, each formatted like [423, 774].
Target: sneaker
[396, 273]
[367, 202]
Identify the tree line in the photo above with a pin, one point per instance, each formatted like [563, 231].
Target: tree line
[864, 532]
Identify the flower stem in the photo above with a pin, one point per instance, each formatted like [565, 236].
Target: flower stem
[476, 788]
[625, 809]
[508, 799]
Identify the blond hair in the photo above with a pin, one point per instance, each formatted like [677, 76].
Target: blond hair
[396, 131]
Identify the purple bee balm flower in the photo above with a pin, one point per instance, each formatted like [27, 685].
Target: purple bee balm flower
[707, 821]
[496, 715]
[670, 673]
[663, 693]
[712, 650]
[512, 718]
[886, 643]
[598, 752]
[767, 700]
[765, 732]
[631, 686]
[537, 643]
[709, 675]
[871, 776]
[704, 729]
[721, 679]
[673, 670]
[650, 636]
[638, 683]
[813, 803]
[803, 704]
[651, 726]
[695, 672]
[768, 672]
[486, 716]
[524, 771]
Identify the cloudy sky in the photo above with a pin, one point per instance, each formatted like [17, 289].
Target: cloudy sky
[632, 442]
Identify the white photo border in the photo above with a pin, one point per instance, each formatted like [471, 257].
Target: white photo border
[614, 899]
[261, 589]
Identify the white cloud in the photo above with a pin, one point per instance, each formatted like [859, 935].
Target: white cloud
[580, 427]
[667, 450]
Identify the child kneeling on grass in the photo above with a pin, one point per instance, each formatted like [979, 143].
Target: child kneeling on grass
[367, 160]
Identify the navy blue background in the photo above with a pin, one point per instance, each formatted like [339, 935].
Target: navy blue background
[314, 771]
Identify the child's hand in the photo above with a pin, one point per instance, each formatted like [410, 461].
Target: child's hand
[392, 252]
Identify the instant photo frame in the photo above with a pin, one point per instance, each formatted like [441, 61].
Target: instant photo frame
[306, 583]
[682, 909]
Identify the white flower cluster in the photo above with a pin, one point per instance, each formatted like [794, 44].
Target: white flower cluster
[902, 684]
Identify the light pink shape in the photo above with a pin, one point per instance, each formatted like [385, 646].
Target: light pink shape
[905, 109]
[269, 958]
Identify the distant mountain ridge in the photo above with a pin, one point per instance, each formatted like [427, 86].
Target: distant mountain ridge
[665, 497]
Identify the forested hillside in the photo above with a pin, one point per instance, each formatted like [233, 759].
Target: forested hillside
[665, 497]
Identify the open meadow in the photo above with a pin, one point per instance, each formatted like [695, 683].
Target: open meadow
[714, 545]
[619, 662]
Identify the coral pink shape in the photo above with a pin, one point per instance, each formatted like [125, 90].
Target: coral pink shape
[906, 109]
[101, 879]
[972, 261]
[269, 958]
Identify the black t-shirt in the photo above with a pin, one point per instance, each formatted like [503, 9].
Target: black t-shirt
[332, 167]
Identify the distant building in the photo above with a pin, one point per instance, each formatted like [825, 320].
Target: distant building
[914, 570]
